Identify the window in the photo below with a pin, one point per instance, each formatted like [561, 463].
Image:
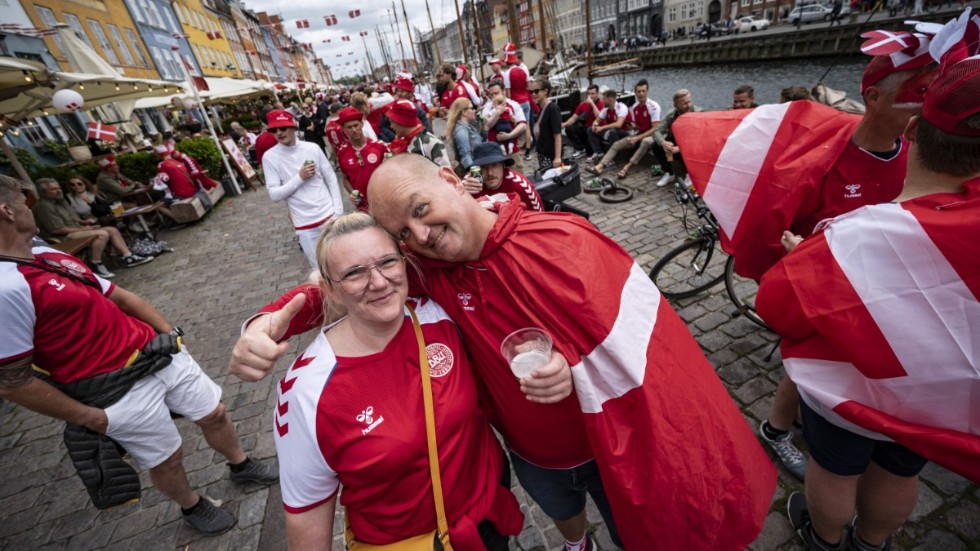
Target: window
[189, 61]
[153, 14]
[110, 54]
[161, 62]
[47, 16]
[120, 44]
[135, 44]
[33, 133]
[181, 14]
[672, 13]
[175, 65]
[135, 10]
[76, 26]
[745, 3]
[172, 25]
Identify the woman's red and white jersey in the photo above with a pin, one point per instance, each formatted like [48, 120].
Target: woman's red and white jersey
[643, 115]
[71, 328]
[360, 423]
[609, 116]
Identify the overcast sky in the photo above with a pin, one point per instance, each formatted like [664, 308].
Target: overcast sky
[443, 11]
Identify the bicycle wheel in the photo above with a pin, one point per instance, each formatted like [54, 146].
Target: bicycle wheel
[742, 292]
[688, 269]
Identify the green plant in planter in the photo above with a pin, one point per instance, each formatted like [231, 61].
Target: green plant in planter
[140, 166]
[206, 153]
[58, 149]
[75, 142]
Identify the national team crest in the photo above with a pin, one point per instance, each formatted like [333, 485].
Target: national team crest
[372, 158]
[441, 359]
[70, 264]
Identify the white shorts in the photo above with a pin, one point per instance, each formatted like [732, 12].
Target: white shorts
[140, 420]
[307, 242]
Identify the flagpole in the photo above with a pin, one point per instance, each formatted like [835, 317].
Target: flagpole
[588, 40]
[410, 43]
[462, 40]
[398, 35]
[476, 30]
[207, 121]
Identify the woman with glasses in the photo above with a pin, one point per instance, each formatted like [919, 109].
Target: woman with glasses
[350, 411]
[547, 128]
[463, 135]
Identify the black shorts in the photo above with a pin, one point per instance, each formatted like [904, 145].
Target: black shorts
[844, 453]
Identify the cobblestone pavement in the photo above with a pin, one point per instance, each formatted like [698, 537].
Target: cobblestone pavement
[243, 255]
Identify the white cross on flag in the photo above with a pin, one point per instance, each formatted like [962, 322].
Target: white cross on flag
[99, 131]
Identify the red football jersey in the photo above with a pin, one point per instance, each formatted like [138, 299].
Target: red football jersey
[335, 135]
[72, 329]
[359, 164]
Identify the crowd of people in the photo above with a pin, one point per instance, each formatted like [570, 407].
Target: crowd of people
[427, 253]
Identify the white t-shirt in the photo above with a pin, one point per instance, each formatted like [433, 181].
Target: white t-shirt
[311, 202]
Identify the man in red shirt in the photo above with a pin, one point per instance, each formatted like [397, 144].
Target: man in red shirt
[644, 119]
[112, 363]
[334, 132]
[358, 157]
[609, 125]
[454, 89]
[515, 84]
[582, 118]
[266, 140]
[498, 180]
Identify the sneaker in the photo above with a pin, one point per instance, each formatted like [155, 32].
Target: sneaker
[799, 518]
[209, 519]
[136, 260]
[854, 543]
[665, 179]
[590, 544]
[528, 155]
[100, 270]
[791, 457]
[578, 154]
[255, 471]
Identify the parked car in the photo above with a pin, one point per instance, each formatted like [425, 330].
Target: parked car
[720, 28]
[809, 14]
[751, 23]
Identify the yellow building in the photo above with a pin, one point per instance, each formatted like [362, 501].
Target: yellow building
[214, 55]
[105, 25]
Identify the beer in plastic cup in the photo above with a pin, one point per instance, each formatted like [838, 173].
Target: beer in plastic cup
[526, 350]
[116, 208]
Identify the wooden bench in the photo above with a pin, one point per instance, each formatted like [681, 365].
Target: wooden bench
[74, 246]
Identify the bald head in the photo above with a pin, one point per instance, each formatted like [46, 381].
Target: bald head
[427, 207]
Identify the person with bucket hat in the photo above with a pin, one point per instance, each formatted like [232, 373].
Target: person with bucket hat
[498, 180]
[298, 172]
[358, 157]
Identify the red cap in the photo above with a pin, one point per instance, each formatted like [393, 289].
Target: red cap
[952, 97]
[510, 47]
[280, 118]
[496, 61]
[107, 161]
[402, 83]
[893, 52]
[348, 114]
[403, 112]
[511, 59]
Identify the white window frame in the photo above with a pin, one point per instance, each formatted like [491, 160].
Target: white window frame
[134, 43]
[103, 40]
[121, 44]
[160, 60]
[76, 25]
[47, 16]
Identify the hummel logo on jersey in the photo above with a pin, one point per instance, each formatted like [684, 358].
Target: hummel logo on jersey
[367, 416]
[54, 283]
[465, 299]
[853, 191]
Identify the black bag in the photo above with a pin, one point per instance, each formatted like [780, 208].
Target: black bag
[100, 208]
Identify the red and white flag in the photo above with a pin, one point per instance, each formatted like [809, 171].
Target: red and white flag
[199, 82]
[99, 131]
[880, 313]
[214, 35]
[756, 168]
[302, 23]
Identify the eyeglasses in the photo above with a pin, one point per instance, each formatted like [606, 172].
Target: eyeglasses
[356, 279]
[280, 129]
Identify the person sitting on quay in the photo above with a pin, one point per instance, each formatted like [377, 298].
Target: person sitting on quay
[113, 368]
[744, 98]
[499, 181]
[358, 158]
[667, 152]
[644, 118]
[581, 120]
[115, 186]
[86, 199]
[56, 219]
[411, 137]
[610, 125]
[173, 174]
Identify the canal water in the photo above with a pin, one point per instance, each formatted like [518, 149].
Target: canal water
[712, 85]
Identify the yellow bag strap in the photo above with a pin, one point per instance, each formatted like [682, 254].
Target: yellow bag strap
[430, 432]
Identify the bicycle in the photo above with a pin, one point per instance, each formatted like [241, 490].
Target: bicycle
[687, 270]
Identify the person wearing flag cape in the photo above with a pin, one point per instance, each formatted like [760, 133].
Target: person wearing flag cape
[650, 429]
[878, 312]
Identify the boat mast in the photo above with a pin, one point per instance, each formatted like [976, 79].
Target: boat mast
[512, 24]
[435, 43]
[544, 37]
[410, 42]
[588, 40]
[462, 39]
[476, 29]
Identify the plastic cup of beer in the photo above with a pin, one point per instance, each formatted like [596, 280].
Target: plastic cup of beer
[526, 350]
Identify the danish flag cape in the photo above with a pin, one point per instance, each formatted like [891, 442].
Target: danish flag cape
[756, 168]
[879, 314]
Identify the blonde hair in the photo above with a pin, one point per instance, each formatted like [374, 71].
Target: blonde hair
[358, 101]
[455, 113]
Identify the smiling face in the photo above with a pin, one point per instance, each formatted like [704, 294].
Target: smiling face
[427, 208]
[367, 275]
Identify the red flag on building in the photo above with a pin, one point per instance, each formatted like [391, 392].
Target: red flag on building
[199, 81]
[99, 131]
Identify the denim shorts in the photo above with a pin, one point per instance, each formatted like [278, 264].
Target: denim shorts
[844, 453]
[561, 492]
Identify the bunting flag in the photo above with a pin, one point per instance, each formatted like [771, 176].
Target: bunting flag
[213, 35]
[99, 131]
[180, 36]
[302, 23]
[364, 33]
[354, 13]
[887, 296]
[199, 82]
[345, 38]
[330, 20]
